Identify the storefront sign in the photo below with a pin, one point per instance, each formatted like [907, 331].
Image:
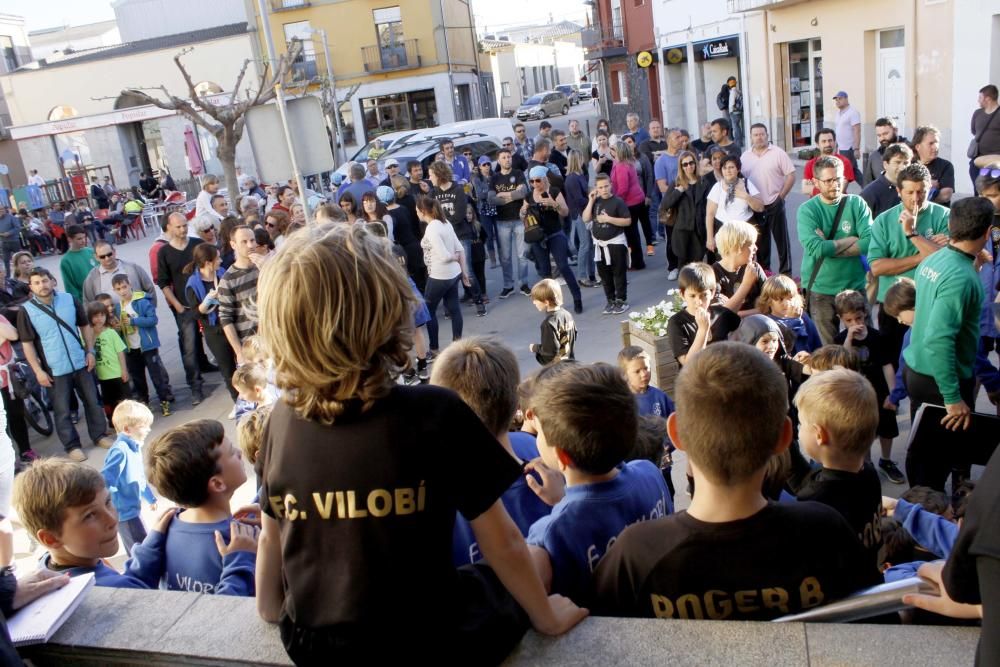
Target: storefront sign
[675, 55]
[726, 47]
[644, 59]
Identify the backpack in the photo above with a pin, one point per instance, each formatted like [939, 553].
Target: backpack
[722, 99]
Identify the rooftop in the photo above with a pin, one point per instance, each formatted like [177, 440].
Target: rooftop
[71, 32]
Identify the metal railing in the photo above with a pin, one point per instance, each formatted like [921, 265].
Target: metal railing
[282, 5]
[393, 56]
[598, 38]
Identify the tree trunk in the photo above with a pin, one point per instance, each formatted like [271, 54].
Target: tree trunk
[226, 152]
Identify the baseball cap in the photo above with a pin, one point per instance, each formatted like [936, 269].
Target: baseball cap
[391, 162]
[484, 159]
[385, 194]
[538, 171]
[337, 178]
[840, 93]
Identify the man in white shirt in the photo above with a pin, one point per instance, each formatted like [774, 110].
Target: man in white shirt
[209, 186]
[35, 179]
[771, 170]
[848, 128]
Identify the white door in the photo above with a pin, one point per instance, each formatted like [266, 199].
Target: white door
[892, 85]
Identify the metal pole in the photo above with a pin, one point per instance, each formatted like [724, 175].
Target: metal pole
[339, 141]
[280, 99]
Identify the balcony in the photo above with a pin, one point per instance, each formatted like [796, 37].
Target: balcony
[391, 57]
[739, 6]
[287, 5]
[304, 69]
[599, 42]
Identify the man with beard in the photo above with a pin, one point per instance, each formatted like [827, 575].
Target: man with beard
[886, 133]
[826, 141]
[881, 194]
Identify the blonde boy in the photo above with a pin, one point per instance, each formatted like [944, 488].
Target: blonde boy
[737, 244]
[123, 470]
[558, 327]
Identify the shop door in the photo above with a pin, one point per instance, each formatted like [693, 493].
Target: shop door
[892, 77]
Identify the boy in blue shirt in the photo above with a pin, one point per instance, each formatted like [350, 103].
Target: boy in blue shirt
[197, 467]
[649, 400]
[123, 472]
[68, 509]
[136, 315]
[586, 422]
[484, 372]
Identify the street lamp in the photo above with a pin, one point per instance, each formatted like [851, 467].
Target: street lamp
[339, 139]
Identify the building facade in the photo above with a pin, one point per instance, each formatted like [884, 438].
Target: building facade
[521, 70]
[413, 64]
[15, 52]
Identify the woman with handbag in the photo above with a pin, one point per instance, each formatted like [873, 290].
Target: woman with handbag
[684, 200]
[732, 198]
[549, 206]
[12, 405]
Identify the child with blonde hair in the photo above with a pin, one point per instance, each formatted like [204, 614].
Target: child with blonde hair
[123, 472]
[359, 469]
[737, 245]
[251, 381]
[558, 327]
[780, 300]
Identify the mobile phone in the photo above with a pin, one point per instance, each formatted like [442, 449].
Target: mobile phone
[545, 195]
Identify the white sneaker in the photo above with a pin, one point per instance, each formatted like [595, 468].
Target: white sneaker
[673, 274]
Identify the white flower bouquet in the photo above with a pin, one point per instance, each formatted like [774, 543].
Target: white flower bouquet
[654, 319]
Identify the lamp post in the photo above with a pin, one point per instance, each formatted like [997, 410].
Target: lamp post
[338, 145]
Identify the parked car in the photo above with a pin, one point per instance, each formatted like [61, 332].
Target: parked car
[543, 105]
[583, 90]
[570, 92]
[424, 152]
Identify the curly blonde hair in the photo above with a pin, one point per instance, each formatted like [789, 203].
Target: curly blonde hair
[336, 311]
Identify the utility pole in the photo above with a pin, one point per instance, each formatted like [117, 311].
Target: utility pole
[282, 112]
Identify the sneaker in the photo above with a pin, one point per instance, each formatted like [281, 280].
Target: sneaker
[609, 308]
[166, 412]
[650, 251]
[480, 309]
[655, 241]
[431, 356]
[586, 282]
[620, 308]
[197, 397]
[525, 290]
[76, 454]
[577, 307]
[891, 471]
[410, 377]
[672, 275]
[424, 376]
[231, 415]
[506, 292]
[105, 442]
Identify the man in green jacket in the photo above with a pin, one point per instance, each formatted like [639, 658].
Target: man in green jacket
[940, 359]
[77, 262]
[835, 250]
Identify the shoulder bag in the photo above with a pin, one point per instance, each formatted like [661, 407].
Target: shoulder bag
[819, 263]
[973, 151]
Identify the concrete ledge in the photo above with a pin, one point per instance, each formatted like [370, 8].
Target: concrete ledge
[153, 628]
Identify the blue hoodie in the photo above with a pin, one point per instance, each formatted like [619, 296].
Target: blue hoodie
[931, 531]
[145, 321]
[193, 562]
[126, 479]
[143, 570]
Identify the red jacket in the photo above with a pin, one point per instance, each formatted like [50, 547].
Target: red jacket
[625, 184]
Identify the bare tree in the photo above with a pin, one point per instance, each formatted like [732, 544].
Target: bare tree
[225, 119]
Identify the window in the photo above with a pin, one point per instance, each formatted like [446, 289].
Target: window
[505, 89]
[616, 19]
[305, 65]
[619, 84]
[7, 54]
[388, 26]
[888, 39]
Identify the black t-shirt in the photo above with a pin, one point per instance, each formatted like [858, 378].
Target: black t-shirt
[729, 282]
[682, 328]
[880, 195]
[943, 172]
[403, 229]
[559, 160]
[606, 167]
[700, 146]
[873, 354]
[171, 263]
[366, 507]
[613, 206]
[784, 559]
[650, 146]
[548, 217]
[26, 330]
[500, 182]
[454, 202]
[858, 498]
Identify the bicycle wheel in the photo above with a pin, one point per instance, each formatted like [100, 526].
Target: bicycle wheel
[37, 415]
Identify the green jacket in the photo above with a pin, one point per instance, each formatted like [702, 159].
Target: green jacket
[889, 242]
[74, 266]
[945, 333]
[837, 273]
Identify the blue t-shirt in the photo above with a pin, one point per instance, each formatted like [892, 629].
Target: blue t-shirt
[522, 504]
[654, 402]
[142, 570]
[193, 562]
[666, 167]
[587, 521]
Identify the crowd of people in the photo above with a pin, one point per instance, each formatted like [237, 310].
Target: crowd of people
[392, 469]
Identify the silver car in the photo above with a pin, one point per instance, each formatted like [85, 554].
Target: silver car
[543, 105]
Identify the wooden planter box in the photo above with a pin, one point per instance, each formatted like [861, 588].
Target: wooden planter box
[665, 367]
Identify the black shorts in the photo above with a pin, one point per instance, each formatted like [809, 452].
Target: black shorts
[113, 392]
[887, 425]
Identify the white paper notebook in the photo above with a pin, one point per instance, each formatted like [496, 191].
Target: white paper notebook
[38, 621]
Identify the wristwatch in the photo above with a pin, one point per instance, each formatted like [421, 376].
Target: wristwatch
[910, 236]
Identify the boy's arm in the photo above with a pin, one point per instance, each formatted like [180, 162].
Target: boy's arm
[549, 347]
[931, 531]
[270, 591]
[735, 303]
[543, 564]
[148, 563]
[890, 376]
[145, 314]
[504, 549]
[112, 471]
[123, 365]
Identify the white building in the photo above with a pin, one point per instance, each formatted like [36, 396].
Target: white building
[54, 43]
[145, 19]
[521, 70]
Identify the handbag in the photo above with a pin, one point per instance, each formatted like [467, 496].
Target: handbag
[819, 263]
[533, 232]
[973, 151]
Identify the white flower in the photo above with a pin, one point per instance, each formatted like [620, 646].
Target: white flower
[634, 315]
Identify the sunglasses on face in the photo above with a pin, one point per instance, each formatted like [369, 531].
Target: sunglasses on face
[269, 224]
[110, 254]
[393, 166]
[535, 180]
[687, 164]
[992, 172]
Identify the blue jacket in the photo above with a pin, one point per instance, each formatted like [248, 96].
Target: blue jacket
[143, 570]
[193, 562]
[63, 350]
[197, 285]
[460, 170]
[126, 479]
[989, 276]
[806, 334]
[145, 321]
[898, 392]
[931, 531]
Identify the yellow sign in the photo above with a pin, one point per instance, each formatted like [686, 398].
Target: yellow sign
[675, 56]
[644, 59]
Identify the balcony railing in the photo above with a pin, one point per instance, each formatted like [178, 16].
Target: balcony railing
[391, 57]
[602, 42]
[283, 5]
[304, 69]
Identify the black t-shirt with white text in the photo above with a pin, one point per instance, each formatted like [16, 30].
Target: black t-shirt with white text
[682, 328]
[454, 202]
[500, 182]
[784, 559]
[729, 282]
[366, 508]
[858, 498]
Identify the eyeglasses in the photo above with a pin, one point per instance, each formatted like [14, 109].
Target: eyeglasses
[689, 163]
[508, 145]
[110, 254]
[467, 153]
[992, 172]
[393, 166]
[269, 224]
[535, 180]
[828, 181]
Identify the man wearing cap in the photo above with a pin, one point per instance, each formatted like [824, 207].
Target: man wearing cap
[848, 128]
[391, 169]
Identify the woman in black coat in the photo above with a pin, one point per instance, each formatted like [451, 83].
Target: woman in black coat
[686, 200]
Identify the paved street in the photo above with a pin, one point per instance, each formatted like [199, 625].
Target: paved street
[514, 320]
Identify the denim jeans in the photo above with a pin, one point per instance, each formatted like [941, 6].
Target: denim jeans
[557, 245]
[584, 249]
[139, 363]
[62, 389]
[187, 333]
[824, 316]
[475, 290]
[510, 234]
[447, 291]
